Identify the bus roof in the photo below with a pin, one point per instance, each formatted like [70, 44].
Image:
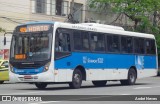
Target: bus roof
[37, 22]
[104, 29]
[95, 27]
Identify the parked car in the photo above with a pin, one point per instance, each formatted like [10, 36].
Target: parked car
[4, 74]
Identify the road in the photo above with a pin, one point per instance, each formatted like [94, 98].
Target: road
[146, 86]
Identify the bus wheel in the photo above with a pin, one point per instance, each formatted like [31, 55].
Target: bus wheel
[132, 76]
[76, 79]
[41, 85]
[1, 82]
[99, 83]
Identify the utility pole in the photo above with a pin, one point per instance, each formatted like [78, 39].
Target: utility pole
[72, 7]
[71, 15]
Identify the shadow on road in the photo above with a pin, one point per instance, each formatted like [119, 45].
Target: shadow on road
[83, 87]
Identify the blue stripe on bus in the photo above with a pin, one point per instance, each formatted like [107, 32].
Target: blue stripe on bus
[106, 61]
[98, 61]
[28, 71]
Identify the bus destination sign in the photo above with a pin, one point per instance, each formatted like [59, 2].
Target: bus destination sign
[34, 28]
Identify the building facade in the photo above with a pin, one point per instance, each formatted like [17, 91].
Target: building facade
[15, 12]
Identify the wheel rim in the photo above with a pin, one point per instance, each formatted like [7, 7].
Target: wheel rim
[77, 78]
[132, 77]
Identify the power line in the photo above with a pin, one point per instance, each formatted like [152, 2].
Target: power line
[20, 6]
[9, 19]
[28, 14]
[49, 10]
[18, 18]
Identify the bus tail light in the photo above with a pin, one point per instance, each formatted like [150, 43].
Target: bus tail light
[46, 67]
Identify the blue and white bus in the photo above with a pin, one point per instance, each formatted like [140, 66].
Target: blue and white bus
[52, 52]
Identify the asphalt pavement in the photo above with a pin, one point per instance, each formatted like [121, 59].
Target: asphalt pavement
[112, 90]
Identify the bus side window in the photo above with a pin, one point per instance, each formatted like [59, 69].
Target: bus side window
[150, 46]
[97, 42]
[113, 43]
[139, 46]
[126, 44]
[85, 41]
[153, 47]
[77, 40]
[81, 40]
[62, 42]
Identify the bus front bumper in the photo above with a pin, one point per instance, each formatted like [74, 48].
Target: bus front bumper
[41, 77]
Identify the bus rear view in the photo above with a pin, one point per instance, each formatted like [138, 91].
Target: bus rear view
[30, 54]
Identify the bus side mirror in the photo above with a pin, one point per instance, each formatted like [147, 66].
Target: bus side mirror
[4, 41]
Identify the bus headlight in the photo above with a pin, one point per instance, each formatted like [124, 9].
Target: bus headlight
[46, 67]
[11, 68]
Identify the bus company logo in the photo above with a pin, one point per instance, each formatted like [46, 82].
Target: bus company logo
[85, 60]
[6, 98]
[140, 62]
[89, 60]
[21, 98]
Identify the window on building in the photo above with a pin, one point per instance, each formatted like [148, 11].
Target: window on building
[50, 7]
[65, 8]
[41, 6]
[78, 12]
[150, 46]
[97, 42]
[126, 45]
[139, 46]
[59, 7]
[81, 40]
[113, 43]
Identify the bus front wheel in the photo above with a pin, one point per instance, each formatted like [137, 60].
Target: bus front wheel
[41, 85]
[1, 82]
[99, 83]
[76, 79]
[132, 76]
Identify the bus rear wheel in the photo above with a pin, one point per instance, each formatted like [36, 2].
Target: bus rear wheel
[99, 83]
[132, 76]
[41, 85]
[76, 79]
[1, 82]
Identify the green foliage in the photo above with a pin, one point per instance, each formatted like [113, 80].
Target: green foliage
[138, 11]
[143, 13]
[2, 30]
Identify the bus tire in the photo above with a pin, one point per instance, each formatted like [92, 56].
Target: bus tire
[132, 76]
[99, 83]
[1, 82]
[41, 85]
[76, 79]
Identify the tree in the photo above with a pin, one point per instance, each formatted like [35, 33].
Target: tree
[145, 14]
[139, 12]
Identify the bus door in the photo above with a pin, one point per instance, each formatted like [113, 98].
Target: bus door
[62, 52]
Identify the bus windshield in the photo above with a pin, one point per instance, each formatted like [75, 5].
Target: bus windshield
[31, 46]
